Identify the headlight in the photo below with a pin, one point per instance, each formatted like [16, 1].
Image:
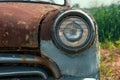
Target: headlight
[73, 31]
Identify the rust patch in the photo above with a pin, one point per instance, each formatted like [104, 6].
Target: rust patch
[19, 23]
[47, 25]
[23, 58]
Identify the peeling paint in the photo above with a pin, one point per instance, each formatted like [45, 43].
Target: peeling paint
[27, 37]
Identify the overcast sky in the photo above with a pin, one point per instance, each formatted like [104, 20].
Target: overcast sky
[91, 3]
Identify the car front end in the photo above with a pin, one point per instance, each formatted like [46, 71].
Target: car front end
[47, 40]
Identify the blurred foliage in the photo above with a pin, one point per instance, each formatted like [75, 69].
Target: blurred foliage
[76, 6]
[108, 21]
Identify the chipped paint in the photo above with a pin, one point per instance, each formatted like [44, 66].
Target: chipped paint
[21, 22]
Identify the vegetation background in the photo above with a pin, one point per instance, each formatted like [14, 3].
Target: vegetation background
[108, 20]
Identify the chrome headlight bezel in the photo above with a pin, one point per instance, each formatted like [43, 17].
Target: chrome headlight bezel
[78, 14]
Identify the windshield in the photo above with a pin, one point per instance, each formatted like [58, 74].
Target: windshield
[59, 2]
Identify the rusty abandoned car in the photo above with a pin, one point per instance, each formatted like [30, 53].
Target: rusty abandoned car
[47, 40]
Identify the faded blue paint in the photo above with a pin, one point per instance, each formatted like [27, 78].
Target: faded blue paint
[81, 65]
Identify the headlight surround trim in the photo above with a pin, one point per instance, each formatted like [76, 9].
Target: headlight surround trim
[82, 15]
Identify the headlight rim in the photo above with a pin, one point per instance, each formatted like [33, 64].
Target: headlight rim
[89, 40]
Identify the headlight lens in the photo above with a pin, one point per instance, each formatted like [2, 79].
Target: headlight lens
[73, 31]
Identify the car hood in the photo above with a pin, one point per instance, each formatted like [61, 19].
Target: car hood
[19, 23]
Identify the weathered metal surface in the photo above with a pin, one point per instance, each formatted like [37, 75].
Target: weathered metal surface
[21, 71]
[28, 59]
[47, 25]
[81, 65]
[77, 78]
[19, 23]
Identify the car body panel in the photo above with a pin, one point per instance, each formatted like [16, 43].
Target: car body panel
[19, 23]
[81, 65]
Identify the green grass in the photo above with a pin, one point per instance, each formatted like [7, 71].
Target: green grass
[117, 43]
[108, 20]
